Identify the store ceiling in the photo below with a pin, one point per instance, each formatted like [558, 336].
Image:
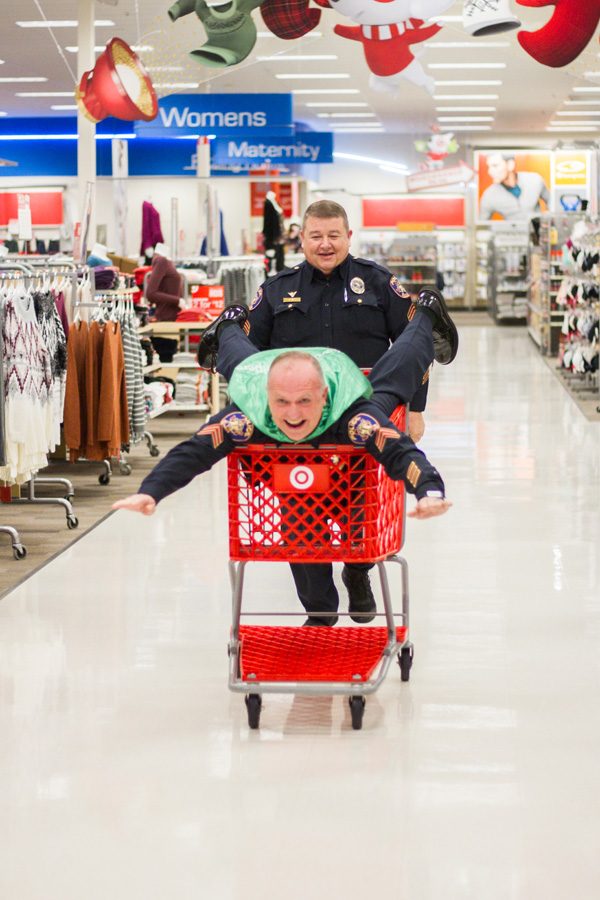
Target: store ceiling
[529, 97]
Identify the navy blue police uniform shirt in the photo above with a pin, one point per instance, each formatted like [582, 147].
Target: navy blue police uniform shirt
[360, 309]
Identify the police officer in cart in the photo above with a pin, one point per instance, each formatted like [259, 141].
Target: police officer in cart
[333, 299]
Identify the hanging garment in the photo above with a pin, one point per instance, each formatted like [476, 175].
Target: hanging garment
[151, 231]
[75, 418]
[54, 338]
[28, 389]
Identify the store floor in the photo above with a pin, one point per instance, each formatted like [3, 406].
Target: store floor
[127, 769]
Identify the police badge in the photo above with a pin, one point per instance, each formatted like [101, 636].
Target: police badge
[256, 300]
[361, 427]
[357, 285]
[398, 288]
[238, 426]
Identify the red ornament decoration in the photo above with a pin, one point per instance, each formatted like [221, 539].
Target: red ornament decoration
[118, 85]
[566, 35]
[289, 19]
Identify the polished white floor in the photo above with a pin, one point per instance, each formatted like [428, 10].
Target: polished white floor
[127, 770]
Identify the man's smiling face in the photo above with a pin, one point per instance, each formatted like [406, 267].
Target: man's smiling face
[326, 242]
[296, 395]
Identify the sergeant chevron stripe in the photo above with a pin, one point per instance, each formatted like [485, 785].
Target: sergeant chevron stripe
[382, 436]
[216, 432]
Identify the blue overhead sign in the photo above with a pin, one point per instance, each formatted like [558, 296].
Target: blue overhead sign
[186, 115]
[249, 151]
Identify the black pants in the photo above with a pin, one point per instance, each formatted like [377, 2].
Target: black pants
[395, 379]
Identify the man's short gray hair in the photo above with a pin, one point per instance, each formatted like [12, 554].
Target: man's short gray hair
[292, 356]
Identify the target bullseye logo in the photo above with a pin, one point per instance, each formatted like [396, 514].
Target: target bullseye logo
[290, 478]
[302, 478]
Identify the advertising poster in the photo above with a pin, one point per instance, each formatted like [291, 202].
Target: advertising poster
[513, 185]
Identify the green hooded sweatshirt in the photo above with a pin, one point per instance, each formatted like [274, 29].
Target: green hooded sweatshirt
[344, 380]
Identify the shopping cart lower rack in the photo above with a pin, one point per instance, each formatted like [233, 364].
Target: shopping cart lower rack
[302, 504]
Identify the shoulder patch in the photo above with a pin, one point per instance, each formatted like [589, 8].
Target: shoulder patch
[398, 288]
[361, 427]
[256, 299]
[238, 426]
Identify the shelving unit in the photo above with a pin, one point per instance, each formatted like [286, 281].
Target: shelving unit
[484, 269]
[511, 283]
[452, 264]
[544, 318]
[412, 256]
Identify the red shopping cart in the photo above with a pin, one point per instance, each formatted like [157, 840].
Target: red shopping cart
[304, 504]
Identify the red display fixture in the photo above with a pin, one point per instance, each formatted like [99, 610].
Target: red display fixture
[46, 207]
[397, 212]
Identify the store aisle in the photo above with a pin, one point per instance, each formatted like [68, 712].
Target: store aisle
[127, 770]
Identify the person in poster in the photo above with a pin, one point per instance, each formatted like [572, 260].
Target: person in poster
[512, 195]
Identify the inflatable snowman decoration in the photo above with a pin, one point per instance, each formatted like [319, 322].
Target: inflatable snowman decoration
[388, 31]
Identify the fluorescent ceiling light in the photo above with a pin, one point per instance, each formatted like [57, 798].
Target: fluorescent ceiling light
[330, 104]
[359, 130]
[471, 128]
[476, 45]
[307, 75]
[571, 124]
[26, 80]
[346, 115]
[586, 90]
[465, 109]
[465, 118]
[177, 84]
[301, 57]
[474, 83]
[142, 48]
[62, 23]
[466, 96]
[64, 106]
[591, 74]
[369, 159]
[326, 91]
[62, 137]
[467, 65]
[356, 125]
[2, 113]
[579, 112]
[44, 94]
[571, 128]
[582, 102]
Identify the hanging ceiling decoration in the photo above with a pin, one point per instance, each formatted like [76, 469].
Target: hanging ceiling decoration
[118, 85]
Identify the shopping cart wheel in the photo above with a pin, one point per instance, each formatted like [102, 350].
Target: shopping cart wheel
[405, 661]
[253, 705]
[357, 708]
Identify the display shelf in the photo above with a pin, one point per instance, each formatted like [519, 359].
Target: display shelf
[544, 319]
[174, 406]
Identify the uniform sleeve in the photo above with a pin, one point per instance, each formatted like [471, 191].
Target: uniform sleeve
[261, 320]
[182, 463]
[403, 461]
[363, 424]
[418, 401]
[397, 303]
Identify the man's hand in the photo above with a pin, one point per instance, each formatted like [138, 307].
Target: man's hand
[416, 426]
[428, 507]
[142, 503]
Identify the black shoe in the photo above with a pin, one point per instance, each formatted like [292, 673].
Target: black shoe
[362, 601]
[326, 621]
[208, 346]
[445, 335]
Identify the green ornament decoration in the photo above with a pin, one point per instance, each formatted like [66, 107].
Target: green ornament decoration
[230, 30]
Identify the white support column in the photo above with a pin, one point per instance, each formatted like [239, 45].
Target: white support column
[86, 130]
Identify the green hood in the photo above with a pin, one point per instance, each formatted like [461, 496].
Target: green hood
[345, 383]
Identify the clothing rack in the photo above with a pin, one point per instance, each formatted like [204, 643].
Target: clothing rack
[14, 270]
[107, 299]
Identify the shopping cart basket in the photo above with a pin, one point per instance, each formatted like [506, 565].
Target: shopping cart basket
[298, 503]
